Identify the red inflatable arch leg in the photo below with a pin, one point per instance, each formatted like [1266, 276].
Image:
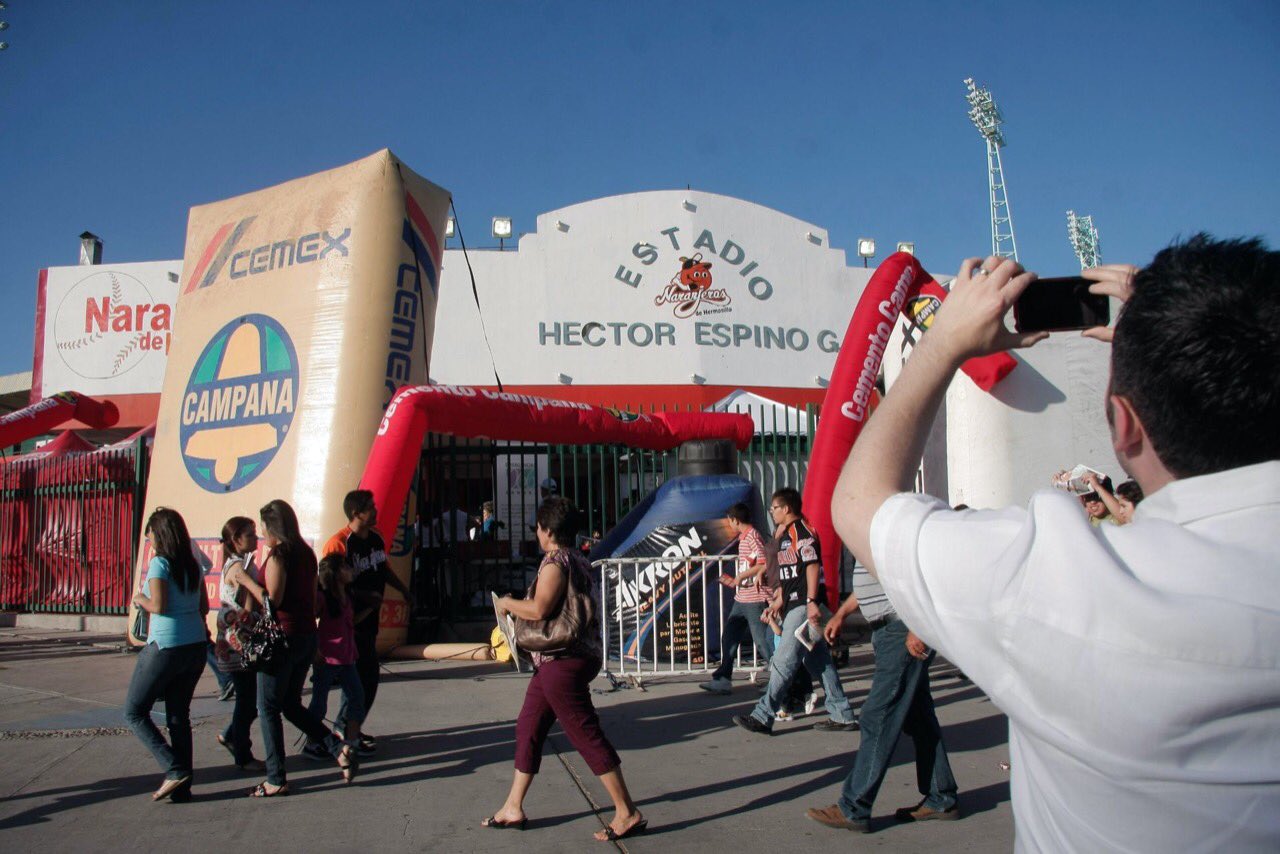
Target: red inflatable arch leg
[899, 287]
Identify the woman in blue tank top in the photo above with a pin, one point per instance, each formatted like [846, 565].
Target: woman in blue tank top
[170, 664]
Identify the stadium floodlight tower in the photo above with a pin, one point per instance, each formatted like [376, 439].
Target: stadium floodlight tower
[1084, 240]
[987, 119]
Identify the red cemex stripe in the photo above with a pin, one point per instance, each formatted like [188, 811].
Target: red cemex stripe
[420, 220]
[206, 258]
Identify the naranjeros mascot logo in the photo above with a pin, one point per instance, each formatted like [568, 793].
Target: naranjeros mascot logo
[690, 290]
[239, 403]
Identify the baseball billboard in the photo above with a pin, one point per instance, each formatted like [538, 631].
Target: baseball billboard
[105, 331]
[301, 309]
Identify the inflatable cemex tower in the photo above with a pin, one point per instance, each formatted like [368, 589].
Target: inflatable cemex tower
[301, 309]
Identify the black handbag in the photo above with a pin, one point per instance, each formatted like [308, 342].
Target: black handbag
[141, 625]
[569, 624]
[263, 643]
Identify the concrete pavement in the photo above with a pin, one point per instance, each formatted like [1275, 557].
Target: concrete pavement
[75, 778]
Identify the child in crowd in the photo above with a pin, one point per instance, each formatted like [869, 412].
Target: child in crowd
[1119, 504]
[802, 693]
[335, 635]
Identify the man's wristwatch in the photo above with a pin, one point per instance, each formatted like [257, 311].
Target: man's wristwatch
[813, 601]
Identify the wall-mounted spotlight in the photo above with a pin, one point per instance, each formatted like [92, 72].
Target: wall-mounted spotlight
[501, 230]
[866, 248]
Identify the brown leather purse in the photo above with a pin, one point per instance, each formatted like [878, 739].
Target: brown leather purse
[571, 620]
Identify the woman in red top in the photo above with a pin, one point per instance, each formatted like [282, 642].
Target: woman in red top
[289, 573]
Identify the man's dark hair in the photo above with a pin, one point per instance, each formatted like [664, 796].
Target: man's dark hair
[1195, 353]
[558, 517]
[357, 501]
[790, 499]
[739, 513]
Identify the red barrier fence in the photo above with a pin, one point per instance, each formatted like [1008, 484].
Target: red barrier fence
[69, 525]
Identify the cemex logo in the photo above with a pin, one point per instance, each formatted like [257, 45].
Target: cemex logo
[272, 255]
[239, 403]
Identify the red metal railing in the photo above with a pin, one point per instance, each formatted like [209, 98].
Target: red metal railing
[69, 528]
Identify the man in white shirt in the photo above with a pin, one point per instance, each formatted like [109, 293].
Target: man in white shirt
[1139, 666]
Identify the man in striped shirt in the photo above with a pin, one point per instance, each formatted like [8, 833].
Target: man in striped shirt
[750, 598]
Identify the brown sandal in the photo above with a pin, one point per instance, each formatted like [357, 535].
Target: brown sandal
[351, 765]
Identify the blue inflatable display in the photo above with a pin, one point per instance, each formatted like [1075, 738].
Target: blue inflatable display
[667, 608]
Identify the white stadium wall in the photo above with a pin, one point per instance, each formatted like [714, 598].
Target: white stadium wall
[584, 302]
[579, 309]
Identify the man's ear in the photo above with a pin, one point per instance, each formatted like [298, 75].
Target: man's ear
[1128, 436]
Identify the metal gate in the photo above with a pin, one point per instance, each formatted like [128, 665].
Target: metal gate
[456, 564]
[665, 617]
[69, 528]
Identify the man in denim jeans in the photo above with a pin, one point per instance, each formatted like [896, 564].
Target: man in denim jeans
[797, 598]
[898, 702]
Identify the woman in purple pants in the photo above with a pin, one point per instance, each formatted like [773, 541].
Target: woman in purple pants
[561, 685]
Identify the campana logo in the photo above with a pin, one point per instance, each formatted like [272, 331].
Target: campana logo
[263, 258]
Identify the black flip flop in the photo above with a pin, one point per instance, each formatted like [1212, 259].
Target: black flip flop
[497, 824]
[260, 791]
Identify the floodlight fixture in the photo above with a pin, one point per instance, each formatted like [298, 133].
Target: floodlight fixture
[449, 228]
[866, 248]
[501, 230]
[984, 113]
[907, 247]
[1084, 240]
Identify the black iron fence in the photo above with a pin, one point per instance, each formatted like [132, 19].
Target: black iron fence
[466, 550]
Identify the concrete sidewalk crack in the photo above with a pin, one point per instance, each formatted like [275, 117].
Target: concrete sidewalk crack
[51, 765]
[586, 794]
[58, 694]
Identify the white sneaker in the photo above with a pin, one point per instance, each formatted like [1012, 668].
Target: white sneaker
[784, 716]
[810, 702]
[718, 686]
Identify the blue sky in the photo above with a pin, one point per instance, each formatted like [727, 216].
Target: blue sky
[1158, 119]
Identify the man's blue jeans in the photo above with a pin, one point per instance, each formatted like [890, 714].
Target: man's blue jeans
[171, 675]
[791, 655]
[743, 617]
[898, 702]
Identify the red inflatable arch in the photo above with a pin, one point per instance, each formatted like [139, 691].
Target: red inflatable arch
[899, 286]
[484, 413]
[40, 418]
